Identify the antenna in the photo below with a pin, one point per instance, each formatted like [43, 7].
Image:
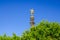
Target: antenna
[32, 18]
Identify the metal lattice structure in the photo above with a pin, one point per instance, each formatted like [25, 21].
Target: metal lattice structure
[32, 17]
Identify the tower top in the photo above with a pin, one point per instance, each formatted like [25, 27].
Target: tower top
[32, 11]
[32, 17]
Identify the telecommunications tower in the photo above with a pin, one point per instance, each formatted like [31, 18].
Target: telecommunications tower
[32, 17]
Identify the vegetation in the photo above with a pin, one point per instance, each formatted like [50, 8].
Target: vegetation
[43, 31]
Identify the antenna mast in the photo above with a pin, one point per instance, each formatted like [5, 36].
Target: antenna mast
[32, 18]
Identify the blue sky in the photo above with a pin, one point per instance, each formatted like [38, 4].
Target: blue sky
[15, 15]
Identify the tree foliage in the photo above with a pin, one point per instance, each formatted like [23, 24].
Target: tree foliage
[43, 31]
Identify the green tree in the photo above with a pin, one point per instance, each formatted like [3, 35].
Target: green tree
[43, 31]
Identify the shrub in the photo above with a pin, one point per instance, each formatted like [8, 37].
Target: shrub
[43, 31]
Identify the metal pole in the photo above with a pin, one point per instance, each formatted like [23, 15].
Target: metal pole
[32, 18]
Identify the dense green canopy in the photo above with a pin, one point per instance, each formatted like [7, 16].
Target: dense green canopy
[43, 31]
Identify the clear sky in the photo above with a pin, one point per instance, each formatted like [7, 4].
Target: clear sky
[15, 15]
